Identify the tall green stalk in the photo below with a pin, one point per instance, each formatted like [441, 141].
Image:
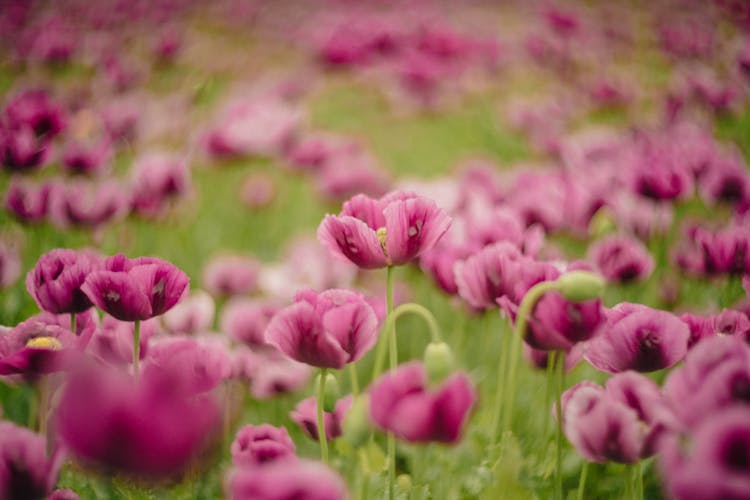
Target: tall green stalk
[322, 437]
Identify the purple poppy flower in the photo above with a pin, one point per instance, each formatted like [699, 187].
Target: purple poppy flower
[539, 358]
[86, 204]
[619, 258]
[611, 424]
[25, 469]
[86, 158]
[328, 329]
[120, 117]
[144, 429]
[199, 366]
[283, 480]
[715, 376]
[349, 172]
[701, 327]
[726, 251]
[193, 315]
[557, 324]
[714, 464]
[272, 374]
[497, 271]
[726, 181]
[158, 178]
[262, 444]
[135, 289]
[27, 202]
[638, 338]
[245, 320]
[55, 282]
[10, 265]
[231, 275]
[35, 348]
[378, 233]
[440, 263]
[36, 109]
[312, 151]
[401, 403]
[113, 341]
[21, 150]
[305, 414]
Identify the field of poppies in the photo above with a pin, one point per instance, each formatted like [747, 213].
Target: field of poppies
[403, 249]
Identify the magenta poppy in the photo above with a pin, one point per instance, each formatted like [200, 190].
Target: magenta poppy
[135, 289]
[113, 341]
[21, 150]
[34, 348]
[55, 282]
[402, 403]
[77, 202]
[305, 414]
[557, 324]
[262, 444]
[87, 157]
[37, 110]
[144, 429]
[193, 315]
[623, 259]
[157, 179]
[245, 320]
[199, 366]
[303, 479]
[327, 329]
[29, 203]
[227, 275]
[390, 231]
[636, 337]
[26, 472]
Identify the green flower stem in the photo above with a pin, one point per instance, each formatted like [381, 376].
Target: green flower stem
[560, 366]
[392, 350]
[136, 347]
[419, 310]
[354, 380]
[322, 438]
[501, 374]
[638, 480]
[73, 323]
[519, 332]
[582, 480]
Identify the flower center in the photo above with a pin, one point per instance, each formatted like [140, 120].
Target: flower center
[50, 343]
[381, 233]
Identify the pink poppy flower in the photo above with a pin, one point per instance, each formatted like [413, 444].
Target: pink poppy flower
[283, 480]
[135, 289]
[619, 258]
[198, 365]
[557, 324]
[305, 414]
[22, 151]
[390, 231]
[10, 265]
[193, 315]
[328, 329]
[245, 320]
[639, 338]
[272, 374]
[262, 444]
[35, 348]
[29, 203]
[113, 341]
[713, 462]
[401, 403]
[228, 275]
[25, 469]
[55, 282]
[86, 157]
[38, 110]
[158, 178]
[144, 429]
[87, 204]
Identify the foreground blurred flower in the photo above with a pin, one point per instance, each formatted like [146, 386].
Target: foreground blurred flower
[262, 444]
[135, 289]
[198, 366]
[390, 231]
[715, 376]
[113, 341]
[55, 282]
[402, 403]
[144, 429]
[305, 414]
[328, 329]
[639, 338]
[619, 423]
[25, 470]
[713, 463]
[283, 480]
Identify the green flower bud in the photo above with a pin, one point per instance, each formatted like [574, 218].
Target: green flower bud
[579, 286]
[404, 482]
[439, 361]
[357, 425]
[331, 394]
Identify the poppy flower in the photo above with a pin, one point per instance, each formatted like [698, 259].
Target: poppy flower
[559, 324]
[623, 259]
[34, 348]
[636, 337]
[26, 472]
[55, 282]
[262, 444]
[392, 230]
[283, 480]
[135, 289]
[402, 403]
[305, 414]
[327, 329]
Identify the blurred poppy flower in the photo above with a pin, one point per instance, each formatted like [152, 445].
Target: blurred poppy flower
[262, 444]
[305, 414]
[56, 279]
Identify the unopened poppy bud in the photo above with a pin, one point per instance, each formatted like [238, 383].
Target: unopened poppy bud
[331, 392]
[579, 286]
[357, 422]
[439, 361]
[404, 482]
[602, 223]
